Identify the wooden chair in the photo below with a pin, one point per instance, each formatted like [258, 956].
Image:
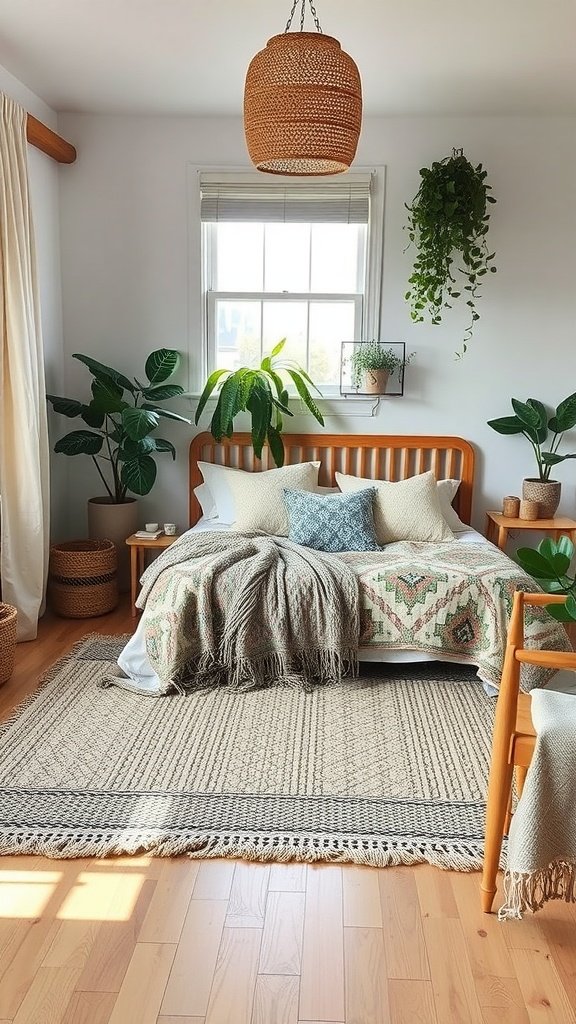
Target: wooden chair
[514, 736]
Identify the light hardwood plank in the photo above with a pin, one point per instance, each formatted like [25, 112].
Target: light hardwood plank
[140, 996]
[190, 981]
[488, 953]
[559, 930]
[180, 1020]
[89, 1008]
[502, 1002]
[527, 933]
[401, 925]
[544, 995]
[412, 1002]
[48, 996]
[21, 972]
[450, 972]
[281, 951]
[365, 974]
[248, 896]
[361, 898]
[322, 978]
[275, 1000]
[72, 944]
[114, 947]
[167, 910]
[287, 878]
[435, 894]
[232, 996]
[214, 880]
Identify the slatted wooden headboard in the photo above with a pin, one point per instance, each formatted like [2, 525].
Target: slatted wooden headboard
[378, 457]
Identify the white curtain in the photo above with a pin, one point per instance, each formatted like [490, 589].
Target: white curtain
[24, 451]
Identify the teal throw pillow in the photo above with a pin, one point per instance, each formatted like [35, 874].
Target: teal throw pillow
[332, 522]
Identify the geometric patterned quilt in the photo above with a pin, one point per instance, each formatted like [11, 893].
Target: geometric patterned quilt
[452, 600]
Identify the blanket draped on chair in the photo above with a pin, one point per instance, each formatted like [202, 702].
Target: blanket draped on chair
[542, 841]
[252, 610]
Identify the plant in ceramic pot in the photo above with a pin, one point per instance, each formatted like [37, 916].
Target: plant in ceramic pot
[549, 564]
[372, 363]
[123, 416]
[262, 392]
[545, 433]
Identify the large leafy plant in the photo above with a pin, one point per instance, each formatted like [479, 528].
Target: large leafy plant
[549, 564]
[448, 224]
[123, 415]
[541, 429]
[261, 392]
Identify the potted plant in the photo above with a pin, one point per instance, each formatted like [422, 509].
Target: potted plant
[448, 223]
[532, 419]
[261, 392]
[123, 416]
[549, 564]
[372, 363]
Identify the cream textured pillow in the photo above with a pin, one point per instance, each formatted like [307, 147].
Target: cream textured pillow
[259, 497]
[407, 510]
[447, 492]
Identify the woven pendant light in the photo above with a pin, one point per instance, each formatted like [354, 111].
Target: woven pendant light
[302, 103]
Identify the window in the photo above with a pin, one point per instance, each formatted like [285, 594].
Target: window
[287, 260]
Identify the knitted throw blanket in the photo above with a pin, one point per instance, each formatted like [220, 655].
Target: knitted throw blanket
[542, 841]
[246, 610]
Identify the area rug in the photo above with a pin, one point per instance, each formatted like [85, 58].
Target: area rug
[390, 768]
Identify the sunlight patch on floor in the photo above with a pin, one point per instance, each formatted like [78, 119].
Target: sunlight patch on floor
[25, 894]
[99, 896]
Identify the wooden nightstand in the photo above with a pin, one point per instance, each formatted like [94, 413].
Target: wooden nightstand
[498, 527]
[138, 546]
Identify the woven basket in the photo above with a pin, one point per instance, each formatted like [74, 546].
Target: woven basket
[302, 105]
[82, 581]
[8, 619]
[546, 493]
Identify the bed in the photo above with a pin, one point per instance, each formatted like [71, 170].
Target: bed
[408, 612]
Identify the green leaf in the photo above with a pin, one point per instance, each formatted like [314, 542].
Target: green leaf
[208, 389]
[79, 442]
[278, 348]
[161, 364]
[536, 564]
[528, 416]
[276, 445]
[139, 474]
[553, 458]
[93, 416]
[164, 446]
[66, 406]
[541, 410]
[506, 425]
[565, 546]
[306, 396]
[562, 612]
[164, 391]
[133, 449]
[107, 396]
[101, 370]
[228, 400]
[566, 414]
[166, 414]
[139, 422]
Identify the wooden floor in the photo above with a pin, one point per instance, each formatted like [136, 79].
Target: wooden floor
[144, 941]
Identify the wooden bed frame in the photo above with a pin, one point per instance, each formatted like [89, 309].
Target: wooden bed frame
[376, 456]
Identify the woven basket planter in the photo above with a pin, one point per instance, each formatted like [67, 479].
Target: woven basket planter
[8, 619]
[83, 581]
[547, 494]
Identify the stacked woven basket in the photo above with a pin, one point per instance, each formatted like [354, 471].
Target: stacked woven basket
[83, 580]
[8, 618]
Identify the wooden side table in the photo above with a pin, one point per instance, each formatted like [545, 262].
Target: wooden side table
[499, 526]
[138, 547]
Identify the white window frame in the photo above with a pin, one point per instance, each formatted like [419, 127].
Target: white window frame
[202, 273]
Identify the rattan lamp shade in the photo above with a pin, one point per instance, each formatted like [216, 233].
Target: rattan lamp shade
[302, 106]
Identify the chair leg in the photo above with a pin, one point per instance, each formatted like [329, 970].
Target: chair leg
[508, 818]
[499, 789]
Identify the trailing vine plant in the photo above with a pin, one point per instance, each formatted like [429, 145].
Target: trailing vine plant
[448, 224]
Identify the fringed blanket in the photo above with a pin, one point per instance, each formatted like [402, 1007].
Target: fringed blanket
[542, 841]
[245, 611]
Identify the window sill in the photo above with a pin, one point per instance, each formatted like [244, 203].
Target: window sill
[338, 406]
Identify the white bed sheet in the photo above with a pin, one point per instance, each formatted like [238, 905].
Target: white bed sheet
[134, 662]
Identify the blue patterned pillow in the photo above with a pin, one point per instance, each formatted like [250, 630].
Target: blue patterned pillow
[332, 522]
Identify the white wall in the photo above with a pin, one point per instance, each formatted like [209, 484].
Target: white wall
[125, 264]
[44, 192]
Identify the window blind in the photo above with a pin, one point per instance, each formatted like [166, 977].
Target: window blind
[242, 198]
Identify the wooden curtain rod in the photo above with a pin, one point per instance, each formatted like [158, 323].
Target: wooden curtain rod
[39, 135]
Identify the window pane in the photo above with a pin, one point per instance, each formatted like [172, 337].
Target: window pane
[335, 250]
[240, 257]
[331, 323]
[237, 334]
[287, 258]
[286, 320]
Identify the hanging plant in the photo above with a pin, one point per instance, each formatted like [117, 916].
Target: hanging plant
[448, 224]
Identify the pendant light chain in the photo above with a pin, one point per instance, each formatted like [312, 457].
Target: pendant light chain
[302, 15]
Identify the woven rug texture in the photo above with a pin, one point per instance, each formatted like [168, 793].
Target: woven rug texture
[390, 768]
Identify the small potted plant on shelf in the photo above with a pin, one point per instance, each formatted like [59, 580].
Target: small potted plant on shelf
[541, 429]
[372, 363]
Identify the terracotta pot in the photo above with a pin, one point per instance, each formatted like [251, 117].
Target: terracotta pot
[546, 493]
[375, 382]
[110, 521]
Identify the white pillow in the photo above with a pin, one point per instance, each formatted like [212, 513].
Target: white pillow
[447, 492]
[207, 504]
[215, 479]
[258, 498]
[406, 510]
